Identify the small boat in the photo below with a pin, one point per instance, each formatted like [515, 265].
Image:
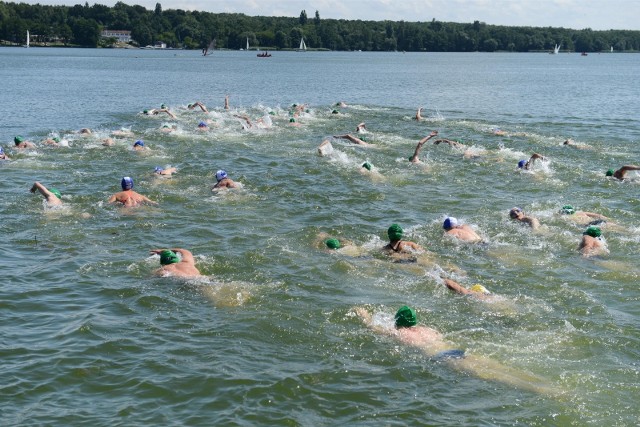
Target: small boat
[209, 49]
[584, 54]
[303, 45]
[264, 55]
[556, 50]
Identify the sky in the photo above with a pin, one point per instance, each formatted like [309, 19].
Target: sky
[576, 14]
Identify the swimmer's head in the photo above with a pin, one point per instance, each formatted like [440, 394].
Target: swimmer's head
[158, 169]
[367, 166]
[1, 151]
[168, 257]
[202, 125]
[567, 210]
[220, 175]
[332, 243]
[522, 163]
[55, 192]
[514, 212]
[163, 106]
[479, 289]
[292, 120]
[190, 106]
[138, 143]
[126, 183]
[18, 139]
[294, 105]
[335, 112]
[56, 139]
[610, 172]
[593, 231]
[272, 113]
[395, 232]
[449, 223]
[406, 317]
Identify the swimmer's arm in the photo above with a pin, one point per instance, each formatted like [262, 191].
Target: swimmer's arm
[41, 188]
[367, 319]
[456, 287]
[146, 199]
[426, 138]
[187, 256]
[594, 215]
[112, 199]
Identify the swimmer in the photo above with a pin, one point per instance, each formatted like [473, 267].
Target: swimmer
[366, 166]
[397, 245]
[448, 141]
[223, 181]
[155, 112]
[139, 145]
[246, 120]
[518, 214]
[460, 231]
[415, 158]
[528, 164]
[477, 290]
[293, 122]
[168, 129]
[341, 104]
[3, 155]
[571, 143]
[172, 265]
[418, 116]
[198, 104]
[127, 196]
[583, 217]
[108, 142]
[432, 343]
[353, 139]
[85, 131]
[21, 144]
[620, 173]
[591, 244]
[52, 196]
[202, 126]
[332, 243]
[122, 133]
[361, 128]
[54, 142]
[164, 172]
[499, 132]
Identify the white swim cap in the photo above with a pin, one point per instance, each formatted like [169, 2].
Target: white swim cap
[220, 175]
[449, 223]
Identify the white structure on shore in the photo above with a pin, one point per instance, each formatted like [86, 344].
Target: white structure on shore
[122, 36]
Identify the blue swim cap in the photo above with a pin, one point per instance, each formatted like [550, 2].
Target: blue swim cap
[202, 125]
[449, 223]
[1, 150]
[521, 163]
[126, 183]
[158, 169]
[138, 143]
[220, 175]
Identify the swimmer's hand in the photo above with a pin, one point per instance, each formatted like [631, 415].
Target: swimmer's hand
[363, 314]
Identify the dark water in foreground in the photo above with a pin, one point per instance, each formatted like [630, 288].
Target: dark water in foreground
[270, 337]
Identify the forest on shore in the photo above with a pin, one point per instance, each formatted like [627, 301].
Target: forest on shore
[82, 25]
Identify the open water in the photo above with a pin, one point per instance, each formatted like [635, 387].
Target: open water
[269, 337]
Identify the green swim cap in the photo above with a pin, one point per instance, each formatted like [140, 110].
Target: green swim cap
[190, 105]
[145, 111]
[332, 243]
[406, 317]
[610, 172]
[367, 166]
[56, 139]
[163, 106]
[335, 112]
[272, 113]
[56, 192]
[567, 210]
[168, 257]
[18, 139]
[395, 232]
[292, 120]
[593, 231]
[294, 105]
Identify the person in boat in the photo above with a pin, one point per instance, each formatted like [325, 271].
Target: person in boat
[127, 196]
[518, 215]
[3, 155]
[620, 173]
[591, 243]
[415, 158]
[174, 265]
[198, 104]
[528, 164]
[396, 244]
[432, 343]
[353, 139]
[21, 143]
[418, 116]
[223, 181]
[460, 231]
[52, 196]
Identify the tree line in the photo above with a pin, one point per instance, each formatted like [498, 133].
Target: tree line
[81, 25]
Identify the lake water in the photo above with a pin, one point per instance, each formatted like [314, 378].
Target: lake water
[270, 336]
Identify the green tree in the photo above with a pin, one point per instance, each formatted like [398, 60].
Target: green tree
[303, 17]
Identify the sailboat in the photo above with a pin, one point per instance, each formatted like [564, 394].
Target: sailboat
[556, 50]
[303, 45]
[209, 50]
[611, 49]
[27, 45]
[247, 43]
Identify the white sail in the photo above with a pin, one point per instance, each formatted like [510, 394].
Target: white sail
[303, 45]
[247, 43]
[556, 49]
[27, 39]
[611, 49]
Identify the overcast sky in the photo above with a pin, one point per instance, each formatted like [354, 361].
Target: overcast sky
[576, 14]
